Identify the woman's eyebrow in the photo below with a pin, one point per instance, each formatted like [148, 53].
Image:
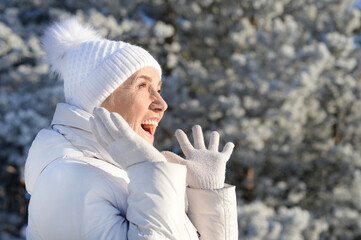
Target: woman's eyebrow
[145, 77]
[148, 79]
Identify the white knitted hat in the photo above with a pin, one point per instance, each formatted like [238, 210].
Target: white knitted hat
[92, 67]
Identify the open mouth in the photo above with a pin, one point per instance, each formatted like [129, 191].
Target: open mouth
[149, 126]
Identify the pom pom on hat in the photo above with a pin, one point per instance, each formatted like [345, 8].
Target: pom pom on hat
[63, 36]
[92, 67]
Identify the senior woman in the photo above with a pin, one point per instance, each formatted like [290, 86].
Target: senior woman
[96, 175]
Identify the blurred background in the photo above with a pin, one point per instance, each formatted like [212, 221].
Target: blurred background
[279, 78]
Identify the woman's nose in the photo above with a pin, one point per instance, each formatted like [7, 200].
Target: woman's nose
[159, 104]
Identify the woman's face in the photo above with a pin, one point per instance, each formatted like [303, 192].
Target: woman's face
[139, 102]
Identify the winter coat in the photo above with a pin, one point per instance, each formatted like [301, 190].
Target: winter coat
[79, 192]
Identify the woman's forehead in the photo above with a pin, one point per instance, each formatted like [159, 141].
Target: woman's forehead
[147, 73]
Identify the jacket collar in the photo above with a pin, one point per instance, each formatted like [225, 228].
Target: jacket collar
[68, 115]
[73, 124]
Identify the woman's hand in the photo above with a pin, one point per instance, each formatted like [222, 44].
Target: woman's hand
[206, 168]
[124, 145]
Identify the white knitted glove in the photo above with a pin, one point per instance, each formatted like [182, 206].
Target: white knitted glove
[124, 145]
[206, 168]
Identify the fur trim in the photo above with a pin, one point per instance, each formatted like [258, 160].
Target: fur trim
[60, 37]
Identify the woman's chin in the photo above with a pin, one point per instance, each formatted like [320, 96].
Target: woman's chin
[151, 141]
[147, 136]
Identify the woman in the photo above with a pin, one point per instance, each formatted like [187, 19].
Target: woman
[96, 174]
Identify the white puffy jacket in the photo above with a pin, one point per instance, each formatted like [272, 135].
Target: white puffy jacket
[75, 194]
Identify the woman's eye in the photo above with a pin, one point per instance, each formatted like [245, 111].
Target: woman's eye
[142, 85]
